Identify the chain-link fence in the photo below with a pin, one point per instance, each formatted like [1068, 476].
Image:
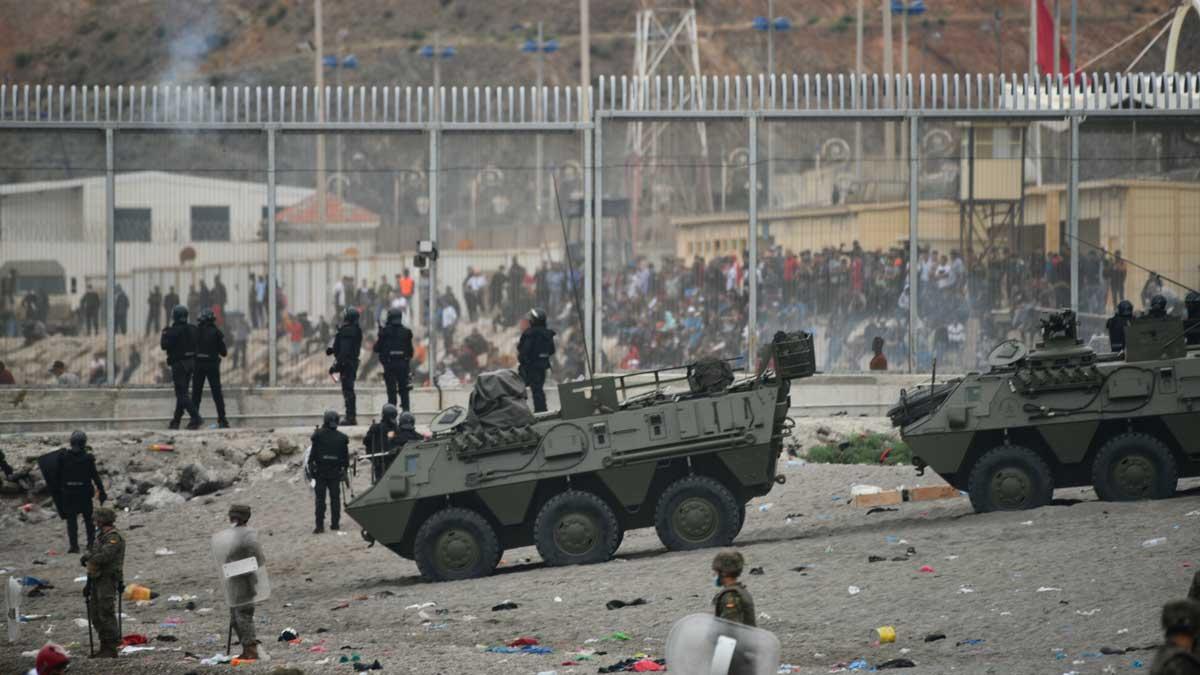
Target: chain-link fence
[906, 223]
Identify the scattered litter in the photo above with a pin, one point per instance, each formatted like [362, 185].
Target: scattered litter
[318, 649]
[636, 665]
[35, 582]
[362, 667]
[881, 509]
[287, 635]
[216, 660]
[616, 636]
[618, 604]
[1090, 612]
[757, 571]
[934, 637]
[1027, 522]
[951, 557]
[1111, 651]
[896, 663]
[857, 490]
[81, 623]
[802, 568]
[1047, 589]
[965, 589]
[133, 639]
[162, 447]
[883, 635]
[793, 515]
[971, 642]
[1189, 514]
[853, 590]
[506, 605]
[926, 569]
[81, 580]
[340, 605]
[422, 605]
[1151, 543]
[130, 649]
[858, 664]
[876, 558]
[166, 638]
[137, 592]
[765, 507]
[527, 649]
[557, 599]
[164, 551]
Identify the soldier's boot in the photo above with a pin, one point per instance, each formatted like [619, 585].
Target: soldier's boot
[173, 425]
[195, 423]
[320, 528]
[249, 652]
[74, 548]
[223, 423]
[108, 650]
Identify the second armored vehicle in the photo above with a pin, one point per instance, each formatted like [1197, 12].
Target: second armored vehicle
[1064, 416]
[496, 477]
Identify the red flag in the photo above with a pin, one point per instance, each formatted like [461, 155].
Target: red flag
[1045, 44]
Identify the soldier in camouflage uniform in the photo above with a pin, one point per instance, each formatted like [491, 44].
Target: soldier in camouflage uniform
[242, 616]
[105, 562]
[732, 602]
[1181, 623]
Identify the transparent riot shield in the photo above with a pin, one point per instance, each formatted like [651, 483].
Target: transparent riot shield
[12, 608]
[240, 565]
[701, 644]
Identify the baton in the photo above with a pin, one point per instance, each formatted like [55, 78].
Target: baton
[120, 600]
[87, 602]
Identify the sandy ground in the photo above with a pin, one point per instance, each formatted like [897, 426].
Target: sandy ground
[1043, 590]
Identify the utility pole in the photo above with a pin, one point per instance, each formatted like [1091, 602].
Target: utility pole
[770, 192]
[585, 64]
[1054, 43]
[319, 101]
[858, 68]
[437, 76]
[1074, 19]
[537, 172]
[904, 41]
[341, 55]
[889, 128]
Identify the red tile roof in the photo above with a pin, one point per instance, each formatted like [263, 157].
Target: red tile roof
[336, 211]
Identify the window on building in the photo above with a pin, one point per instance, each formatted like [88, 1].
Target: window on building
[210, 223]
[131, 225]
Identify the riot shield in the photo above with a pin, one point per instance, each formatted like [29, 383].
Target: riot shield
[49, 464]
[702, 644]
[240, 566]
[12, 608]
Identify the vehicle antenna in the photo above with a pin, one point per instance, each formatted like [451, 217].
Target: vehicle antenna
[1141, 267]
[587, 354]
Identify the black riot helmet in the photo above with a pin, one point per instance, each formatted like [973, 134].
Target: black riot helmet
[395, 316]
[206, 316]
[350, 315]
[389, 413]
[537, 317]
[1158, 305]
[331, 419]
[407, 421]
[78, 439]
[1192, 302]
[1125, 308]
[179, 314]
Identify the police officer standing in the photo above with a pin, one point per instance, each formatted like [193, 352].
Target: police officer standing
[105, 563]
[1116, 325]
[210, 348]
[179, 342]
[1158, 307]
[395, 350]
[1192, 323]
[386, 437]
[732, 602]
[534, 350]
[327, 464]
[347, 344]
[76, 476]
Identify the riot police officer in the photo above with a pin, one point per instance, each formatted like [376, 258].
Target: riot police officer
[1158, 307]
[179, 342]
[395, 350]
[327, 464]
[534, 350]
[1192, 323]
[210, 348]
[347, 344]
[73, 492]
[379, 440]
[1116, 326]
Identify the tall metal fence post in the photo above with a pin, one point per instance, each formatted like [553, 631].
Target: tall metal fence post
[598, 230]
[272, 281]
[914, 208]
[1073, 213]
[110, 258]
[588, 257]
[752, 328]
[434, 168]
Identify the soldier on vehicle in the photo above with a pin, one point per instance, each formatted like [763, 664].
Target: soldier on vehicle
[534, 350]
[210, 348]
[1192, 323]
[732, 602]
[395, 350]
[179, 342]
[105, 563]
[1116, 326]
[241, 616]
[73, 492]
[1180, 622]
[1158, 308]
[327, 464]
[386, 437]
[347, 344]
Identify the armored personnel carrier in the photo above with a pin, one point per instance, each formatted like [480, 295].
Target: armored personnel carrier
[1063, 416]
[623, 452]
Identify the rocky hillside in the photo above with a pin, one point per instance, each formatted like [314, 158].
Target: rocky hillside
[267, 41]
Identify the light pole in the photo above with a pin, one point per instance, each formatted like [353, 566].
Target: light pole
[913, 8]
[340, 62]
[540, 48]
[319, 67]
[769, 24]
[436, 53]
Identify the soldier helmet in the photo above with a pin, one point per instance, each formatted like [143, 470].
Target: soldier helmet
[407, 421]
[105, 516]
[350, 315]
[729, 563]
[395, 315]
[1125, 308]
[389, 412]
[537, 317]
[1192, 298]
[239, 511]
[179, 314]
[78, 439]
[330, 419]
[1158, 303]
[1181, 616]
[206, 315]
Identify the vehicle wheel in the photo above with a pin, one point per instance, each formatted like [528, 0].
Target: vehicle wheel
[456, 543]
[1010, 478]
[697, 512]
[1134, 466]
[741, 518]
[576, 528]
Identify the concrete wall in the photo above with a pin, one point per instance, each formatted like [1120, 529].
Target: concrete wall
[45, 409]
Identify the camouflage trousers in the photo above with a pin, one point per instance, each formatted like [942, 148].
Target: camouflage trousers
[103, 611]
[242, 619]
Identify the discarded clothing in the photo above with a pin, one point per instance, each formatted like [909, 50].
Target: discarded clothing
[635, 666]
[362, 667]
[504, 606]
[618, 604]
[896, 663]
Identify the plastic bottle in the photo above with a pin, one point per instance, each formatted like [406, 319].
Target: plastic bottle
[1151, 543]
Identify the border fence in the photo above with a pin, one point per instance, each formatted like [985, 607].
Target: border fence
[928, 216]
